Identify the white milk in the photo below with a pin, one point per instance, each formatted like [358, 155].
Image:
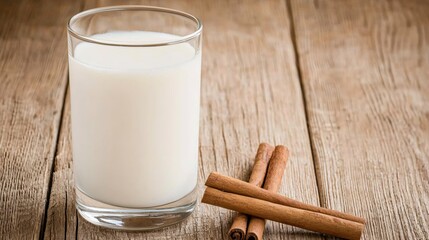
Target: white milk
[135, 115]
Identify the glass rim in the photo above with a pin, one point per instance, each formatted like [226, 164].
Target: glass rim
[93, 11]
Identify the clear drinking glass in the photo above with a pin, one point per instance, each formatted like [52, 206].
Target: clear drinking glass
[135, 98]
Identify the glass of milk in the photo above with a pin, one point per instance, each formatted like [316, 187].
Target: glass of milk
[135, 98]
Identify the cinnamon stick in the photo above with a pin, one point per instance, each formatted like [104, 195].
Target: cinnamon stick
[272, 183]
[305, 219]
[239, 225]
[232, 185]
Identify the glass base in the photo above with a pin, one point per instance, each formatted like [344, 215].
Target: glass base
[133, 219]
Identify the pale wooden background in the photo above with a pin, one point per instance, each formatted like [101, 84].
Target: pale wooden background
[344, 84]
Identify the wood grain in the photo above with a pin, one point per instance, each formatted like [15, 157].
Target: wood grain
[62, 220]
[365, 71]
[33, 70]
[250, 94]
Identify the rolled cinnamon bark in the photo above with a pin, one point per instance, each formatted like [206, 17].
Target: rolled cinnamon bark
[313, 221]
[272, 183]
[236, 186]
[239, 225]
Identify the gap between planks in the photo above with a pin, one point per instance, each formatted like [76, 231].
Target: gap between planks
[57, 139]
[304, 101]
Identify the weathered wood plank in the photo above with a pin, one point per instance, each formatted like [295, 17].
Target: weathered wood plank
[61, 222]
[33, 72]
[250, 93]
[365, 71]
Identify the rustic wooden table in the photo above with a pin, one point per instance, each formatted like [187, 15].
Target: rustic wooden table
[344, 84]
